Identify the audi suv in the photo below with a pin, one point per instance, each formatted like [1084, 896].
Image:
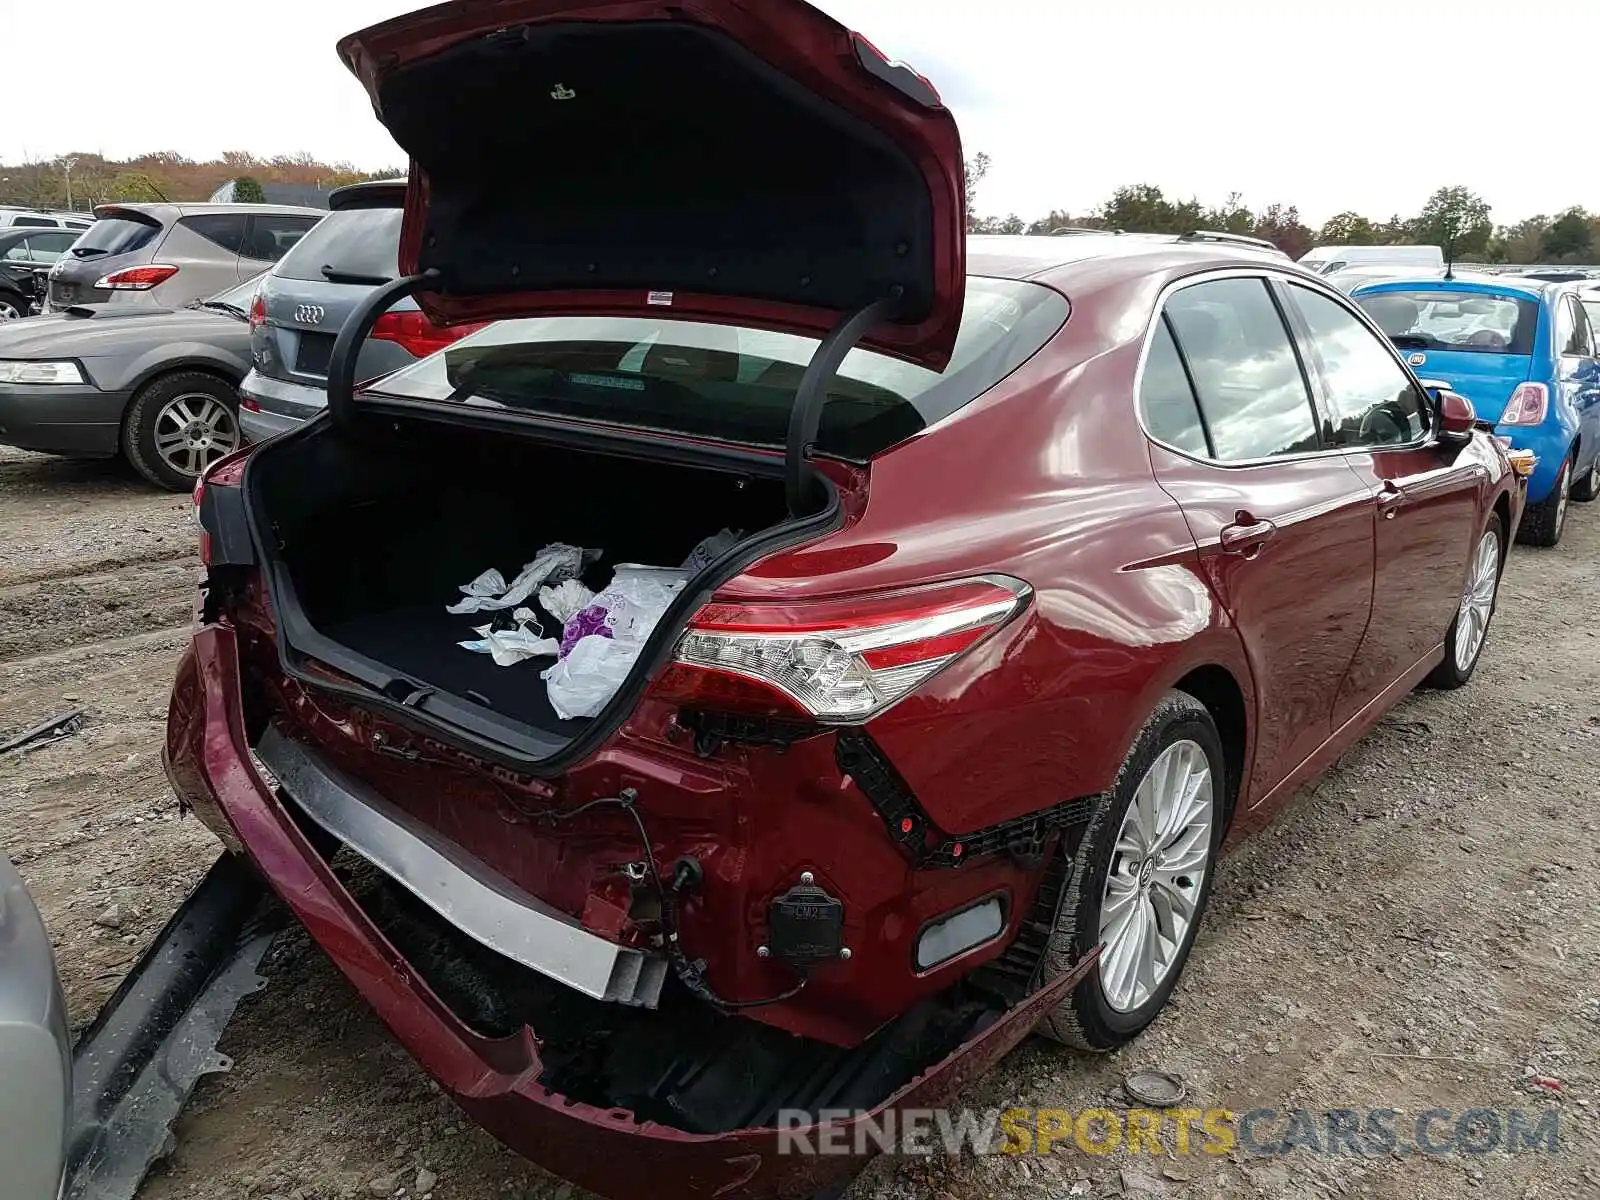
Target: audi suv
[298, 313]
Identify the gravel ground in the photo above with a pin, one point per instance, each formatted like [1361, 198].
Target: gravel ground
[1417, 930]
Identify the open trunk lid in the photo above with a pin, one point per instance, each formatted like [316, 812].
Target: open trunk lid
[744, 161]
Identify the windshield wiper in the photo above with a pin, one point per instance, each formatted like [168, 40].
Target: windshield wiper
[233, 310]
[1410, 341]
[333, 275]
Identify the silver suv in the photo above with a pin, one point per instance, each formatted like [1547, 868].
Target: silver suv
[165, 255]
[304, 302]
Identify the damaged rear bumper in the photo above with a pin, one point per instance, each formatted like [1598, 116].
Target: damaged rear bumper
[497, 1080]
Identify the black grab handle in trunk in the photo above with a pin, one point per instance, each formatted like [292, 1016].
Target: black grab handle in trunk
[347, 348]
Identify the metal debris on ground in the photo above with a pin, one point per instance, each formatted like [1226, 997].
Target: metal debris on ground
[1158, 1089]
[54, 729]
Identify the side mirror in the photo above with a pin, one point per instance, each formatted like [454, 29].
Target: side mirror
[1455, 417]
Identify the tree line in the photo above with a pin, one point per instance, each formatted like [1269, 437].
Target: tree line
[80, 181]
[1454, 218]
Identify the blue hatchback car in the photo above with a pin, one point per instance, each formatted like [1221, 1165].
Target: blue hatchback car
[1524, 352]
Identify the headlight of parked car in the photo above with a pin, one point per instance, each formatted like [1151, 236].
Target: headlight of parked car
[40, 372]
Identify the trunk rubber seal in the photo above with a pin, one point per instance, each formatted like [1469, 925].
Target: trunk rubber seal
[512, 744]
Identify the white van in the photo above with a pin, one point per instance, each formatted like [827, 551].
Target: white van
[1325, 260]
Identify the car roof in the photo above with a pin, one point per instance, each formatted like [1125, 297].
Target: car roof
[1112, 255]
[173, 211]
[1532, 289]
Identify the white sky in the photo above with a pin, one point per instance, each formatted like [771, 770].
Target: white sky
[1328, 104]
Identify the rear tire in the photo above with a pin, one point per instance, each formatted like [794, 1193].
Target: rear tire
[14, 307]
[1588, 488]
[178, 425]
[1543, 523]
[1480, 596]
[1106, 1009]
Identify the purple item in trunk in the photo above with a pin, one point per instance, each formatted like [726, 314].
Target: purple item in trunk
[591, 621]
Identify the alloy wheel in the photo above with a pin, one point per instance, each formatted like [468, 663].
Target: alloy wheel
[1563, 488]
[1477, 601]
[10, 312]
[1158, 867]
[193, 431]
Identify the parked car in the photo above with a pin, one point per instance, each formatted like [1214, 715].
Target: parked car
[155, 385]
[1348, 279]
[305, 301]
[35, 1053]
[1326, 260]
[1050, 564]
[24, 252]
[12, 217]
[165, 255]
[1524, 352]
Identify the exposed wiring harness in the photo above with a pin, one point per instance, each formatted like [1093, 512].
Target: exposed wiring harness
[690, 973]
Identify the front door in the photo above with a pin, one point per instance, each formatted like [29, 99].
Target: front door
[1284, 527]
[1428, 496]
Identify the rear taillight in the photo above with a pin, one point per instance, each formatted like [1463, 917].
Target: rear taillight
[1529, 405]
[227, 471]
[419, 336]
[136, 279]
[258, 312]
[840, 661]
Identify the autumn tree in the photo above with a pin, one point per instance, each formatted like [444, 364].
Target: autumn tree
[1281, 225]
[1569, 238]
[1348, 229]
[1143, 208]
[1456, 220]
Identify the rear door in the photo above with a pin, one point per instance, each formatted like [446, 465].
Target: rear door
[1580, 377]
[1284, 526]
[1429, 497]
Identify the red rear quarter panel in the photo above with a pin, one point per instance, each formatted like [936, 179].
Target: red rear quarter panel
[1046, 479]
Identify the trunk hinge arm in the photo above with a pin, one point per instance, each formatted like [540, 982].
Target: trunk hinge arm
[801, 482]
[353, 334]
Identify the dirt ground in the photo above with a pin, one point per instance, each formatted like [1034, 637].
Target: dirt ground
[1419, 929]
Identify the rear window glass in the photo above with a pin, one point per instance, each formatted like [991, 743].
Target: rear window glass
[115, 235]
[1475, 322]
[731, 383]
[360, 241]
[1592, 307]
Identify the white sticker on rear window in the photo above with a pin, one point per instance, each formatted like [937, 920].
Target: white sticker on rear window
[607, 381]
[661, 299]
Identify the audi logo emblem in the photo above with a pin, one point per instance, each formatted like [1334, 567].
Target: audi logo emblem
[309, 314]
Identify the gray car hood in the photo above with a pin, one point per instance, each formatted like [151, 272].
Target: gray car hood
[71, 335]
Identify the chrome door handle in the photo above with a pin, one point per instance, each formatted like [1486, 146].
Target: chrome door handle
[1246, 537]
[1389, 497]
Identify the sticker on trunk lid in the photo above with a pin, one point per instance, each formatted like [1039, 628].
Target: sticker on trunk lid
[661, 299]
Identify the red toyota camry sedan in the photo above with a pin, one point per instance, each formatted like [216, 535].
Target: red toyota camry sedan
[793, 652]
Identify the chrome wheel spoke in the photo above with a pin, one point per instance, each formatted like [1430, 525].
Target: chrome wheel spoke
[1158, 865]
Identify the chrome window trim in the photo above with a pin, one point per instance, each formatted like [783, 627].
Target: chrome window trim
[1267, 274]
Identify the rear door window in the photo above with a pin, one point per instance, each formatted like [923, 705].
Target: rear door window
[1252, 390]
[728, 382]
[362, 242]
[225, 230]
[36, 222]
[1464, 321]
[47, 247]
[1166, 397]
[1371, 399]
[116, 235]
[272, 235]
[1580, 339]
